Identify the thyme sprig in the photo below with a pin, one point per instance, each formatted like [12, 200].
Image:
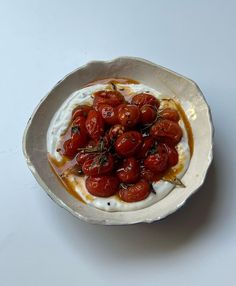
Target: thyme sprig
[101, 152]
[97, 149]
[175, 181]
[100, 160]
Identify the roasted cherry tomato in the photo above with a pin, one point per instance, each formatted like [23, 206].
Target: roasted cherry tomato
[80, 123]
[130, 171]
[128, 115]
[116, 131]
[109, 113]
[81, 110]
[173, 156]
[148, 114]
[157, 162]
[167, 131]
[142, 99]
[146, 146]
[128, 143]
[98, 165]
[111, 97]
[95, 125]
[136, 192]
[103, 186]
[78, 138]
[71, 145]
[122, 147]
[70, 149]
[170, 114]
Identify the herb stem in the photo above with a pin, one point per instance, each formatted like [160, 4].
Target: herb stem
[175, 181]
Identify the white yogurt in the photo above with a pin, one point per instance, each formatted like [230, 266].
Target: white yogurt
[60, 123]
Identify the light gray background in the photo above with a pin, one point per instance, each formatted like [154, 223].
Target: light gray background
[40, 243]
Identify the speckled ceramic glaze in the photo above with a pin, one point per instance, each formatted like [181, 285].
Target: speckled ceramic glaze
[163, 80]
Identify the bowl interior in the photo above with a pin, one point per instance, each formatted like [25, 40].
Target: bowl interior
[163, 80]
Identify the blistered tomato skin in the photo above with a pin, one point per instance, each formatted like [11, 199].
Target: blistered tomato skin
[147, 144]
[128, 115]
[170, 114]
[128, 143]
[166, 131]
[148, 175]
[129, 172]
[102, 186]
[136, 192]
[79, 120]
[142, 99]
[173, 156]
[98, 165]
[157, 162]
[81, 110]
[116, 131]
[147, 114]
[111, 97]
[109, 114]
[121, 147]
[71, 145]
[70, 149]
[95, 125]
[79, 137]
[82, 157]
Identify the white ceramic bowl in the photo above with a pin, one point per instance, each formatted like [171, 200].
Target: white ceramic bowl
[161, 79]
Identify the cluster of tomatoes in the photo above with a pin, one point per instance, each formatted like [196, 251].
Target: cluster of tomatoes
[123, 147]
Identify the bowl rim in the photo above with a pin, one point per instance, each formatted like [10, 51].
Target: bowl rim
[56, 199]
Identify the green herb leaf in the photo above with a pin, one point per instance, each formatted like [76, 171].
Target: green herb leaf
[103, 160]
[153, 150]
[75, 129]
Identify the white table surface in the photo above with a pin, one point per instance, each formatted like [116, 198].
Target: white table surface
[42, 244]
